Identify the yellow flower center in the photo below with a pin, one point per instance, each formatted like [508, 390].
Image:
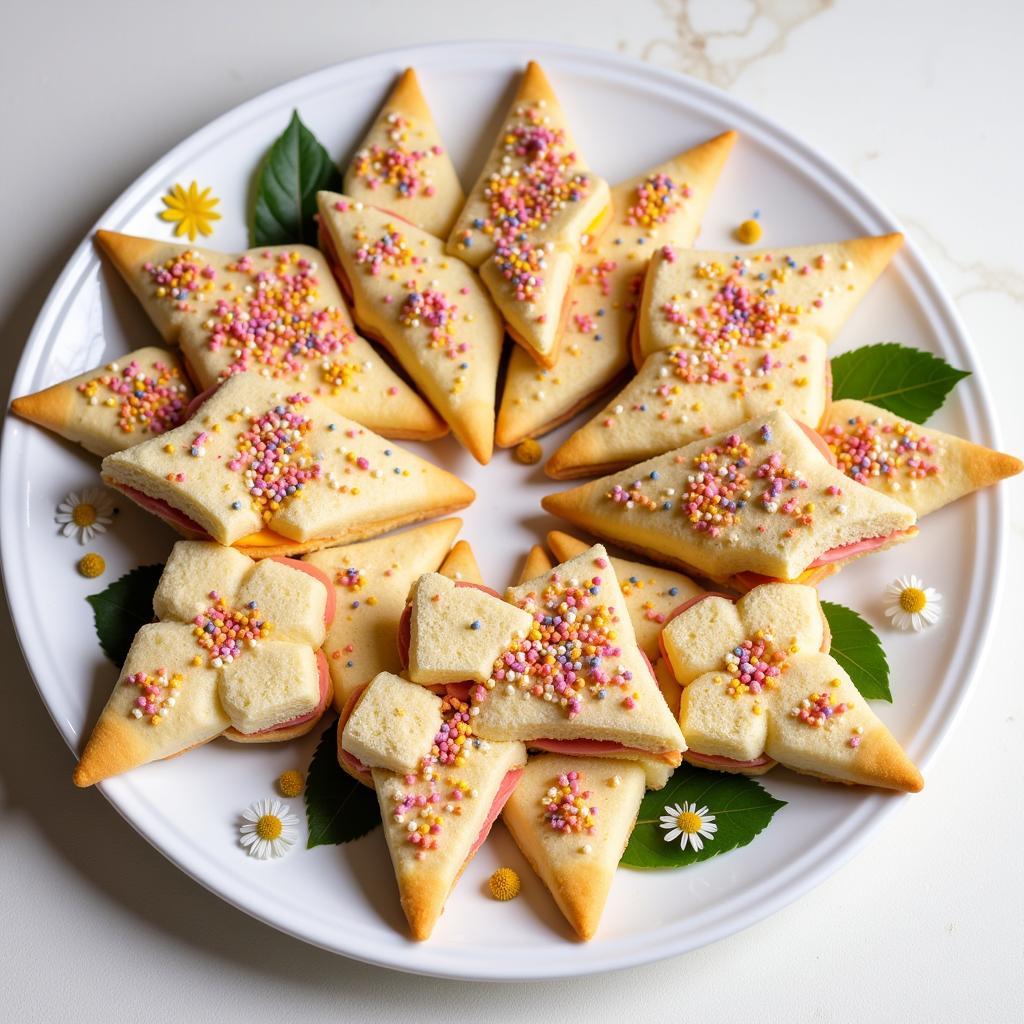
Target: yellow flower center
[290, 783]
[689, 822]
[504, 884]
[269, 827]
[84, 514]
[912, 599]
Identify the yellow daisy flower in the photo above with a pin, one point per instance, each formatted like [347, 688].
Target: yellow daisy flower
[191, 210]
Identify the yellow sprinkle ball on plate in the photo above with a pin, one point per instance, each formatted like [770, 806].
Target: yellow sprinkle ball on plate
[528, 452]
[91, 565]
[749, 232]
[504, 884]
[290, 783]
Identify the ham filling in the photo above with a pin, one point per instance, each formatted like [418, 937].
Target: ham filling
[508, 784]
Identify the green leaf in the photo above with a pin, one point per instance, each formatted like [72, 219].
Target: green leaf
[123, 609]
[855, 645]
[906, 381]
[741, 807]
[295, 169]
[338, 809]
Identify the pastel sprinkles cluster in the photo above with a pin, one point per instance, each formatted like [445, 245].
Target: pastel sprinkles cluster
[274, 458]
[398, 166]
[179, 279]
[150, 402]
[522, 264]
[562, 659]
[158, 692]
[389, 249]
[224, 632]
[657, 198]
[754, 665]
[566, 806]
[876, 450]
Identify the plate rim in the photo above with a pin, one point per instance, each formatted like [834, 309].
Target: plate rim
[930, 296]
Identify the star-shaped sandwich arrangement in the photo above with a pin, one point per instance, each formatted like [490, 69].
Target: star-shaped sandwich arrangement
[720, 339]
[278, 472]
[276, 312]
[759, 688]
[235, 652]
[759, 503]
[525, 219]
[663, 205]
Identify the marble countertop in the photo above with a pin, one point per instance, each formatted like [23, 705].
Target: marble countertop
[919, 100]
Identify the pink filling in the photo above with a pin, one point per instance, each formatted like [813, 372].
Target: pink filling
[715, 761]
[858, 547]
[508, 784]
[166, 512]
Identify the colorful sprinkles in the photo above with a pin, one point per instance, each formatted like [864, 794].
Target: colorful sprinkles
[157, 696]
[566, 806]
[148, 402]
[876, 450]
[224, 632]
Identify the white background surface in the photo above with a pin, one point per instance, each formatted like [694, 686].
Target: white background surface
[919, 101]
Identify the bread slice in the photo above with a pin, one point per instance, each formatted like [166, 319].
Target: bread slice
[525, 219]
[651, 593]
[577, 865]
[401, 164]
[393, 725]
[456, 632]
[114, 406]
[344, 482]
[920, 467]
[717, 302]
[664, 204]
[371, 583]
[762, 499]
[236, 652]
[672, 402]
[471, 796]
[758, 682]
[275, 311]
[427, 307]
[619, 702]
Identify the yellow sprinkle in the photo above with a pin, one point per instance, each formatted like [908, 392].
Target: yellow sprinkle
[528, 452]
[748, 232]
[91, 565]
[504, 884]
[290, 783]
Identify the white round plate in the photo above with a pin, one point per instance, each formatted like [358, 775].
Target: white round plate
[627, 116]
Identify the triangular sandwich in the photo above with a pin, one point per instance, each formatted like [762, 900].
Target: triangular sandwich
[555, 664]
[427, 307]
[371, 581]
[275, 311]
[718, 303]
[759, 687]
[760, 503]
[236, 652]
[674, 399]
[665, 204]
[651, 592]
[402, 165]
[572, 818]
[277, 472]
[918, 466]
[112, 407]
[526, 216]
[439, 792]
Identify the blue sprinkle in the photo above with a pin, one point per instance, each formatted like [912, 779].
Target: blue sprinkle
[654, 474]
[236, 505]
[672, 591]
[475, 624]
[387, 451]
[355, 604]
[349, 664]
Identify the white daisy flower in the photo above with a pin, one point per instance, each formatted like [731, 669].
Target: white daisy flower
[268, 829]
[912, 605]
[86, 513]
[692, 824]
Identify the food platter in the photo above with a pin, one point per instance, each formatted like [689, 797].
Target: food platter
[627, 116]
